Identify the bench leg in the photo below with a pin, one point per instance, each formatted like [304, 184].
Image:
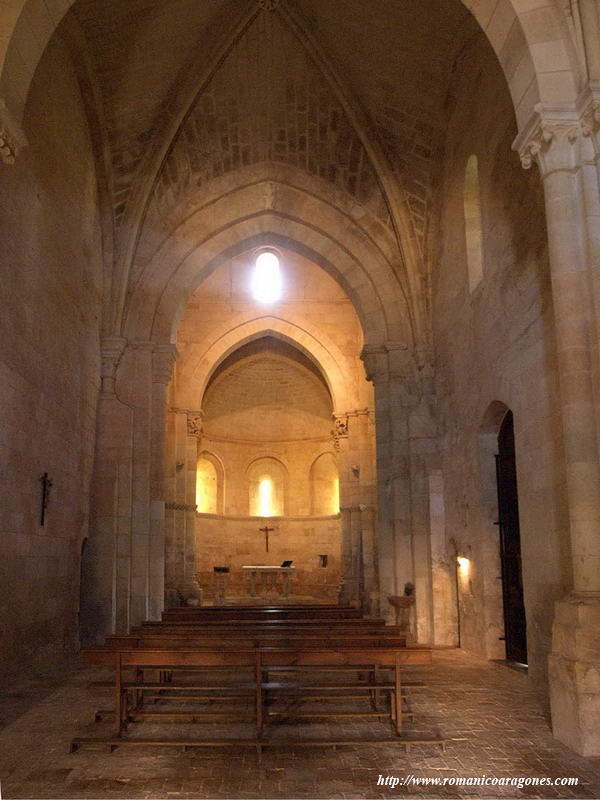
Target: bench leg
[139, 693]
[397, 698]
[375, 692]
[258, 700]
[119, 698]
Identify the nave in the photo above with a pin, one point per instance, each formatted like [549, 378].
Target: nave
[490, 715]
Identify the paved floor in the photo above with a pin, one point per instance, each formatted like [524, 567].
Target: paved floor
[490, 717]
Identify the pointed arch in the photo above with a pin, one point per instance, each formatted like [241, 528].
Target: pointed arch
[534, 47]
[229, 337]
[267, 213]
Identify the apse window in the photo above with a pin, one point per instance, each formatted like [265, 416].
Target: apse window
[473, 225]
[265, 497]
[266, 279]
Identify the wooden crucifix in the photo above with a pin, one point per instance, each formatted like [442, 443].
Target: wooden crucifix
[266, 530]
[46, 486]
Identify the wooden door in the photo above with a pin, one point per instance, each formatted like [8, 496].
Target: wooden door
[515, 624]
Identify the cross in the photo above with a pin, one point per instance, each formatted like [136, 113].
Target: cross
[266, 531]
[46, 486]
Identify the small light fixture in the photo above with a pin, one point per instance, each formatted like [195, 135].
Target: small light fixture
[463, 564]
[266, 279]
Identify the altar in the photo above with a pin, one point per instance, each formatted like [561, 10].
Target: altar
[268, 578]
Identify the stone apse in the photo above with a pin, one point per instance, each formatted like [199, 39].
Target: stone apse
[251, 410]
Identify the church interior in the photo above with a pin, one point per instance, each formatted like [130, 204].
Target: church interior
[301, 321]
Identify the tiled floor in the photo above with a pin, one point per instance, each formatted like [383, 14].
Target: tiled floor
[490, 717]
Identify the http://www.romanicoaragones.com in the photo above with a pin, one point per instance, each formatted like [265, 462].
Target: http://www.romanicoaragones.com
[393, 781]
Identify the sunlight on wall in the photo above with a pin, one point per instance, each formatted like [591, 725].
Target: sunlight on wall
[266, 487]
[473, 224]
[325, 485]
[206, 487]
[265, 493]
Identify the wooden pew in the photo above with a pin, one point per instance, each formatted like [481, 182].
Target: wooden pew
[264, 628]
[240, 639]
[258, 659]
[264, 607]
[273, 624]
[204, 613]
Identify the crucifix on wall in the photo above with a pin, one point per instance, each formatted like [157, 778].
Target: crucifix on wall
[46, 486]
[266, 530]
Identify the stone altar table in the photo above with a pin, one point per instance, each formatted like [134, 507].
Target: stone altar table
[268, 577]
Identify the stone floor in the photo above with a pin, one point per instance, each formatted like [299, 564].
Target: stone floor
[489, 715]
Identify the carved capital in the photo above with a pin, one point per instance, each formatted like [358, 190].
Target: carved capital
[590, 124]
[375, 359]
[194, 425]
[561, 138]
[340, 422]
[552, 145]
[12, 138]
[111, 350]
[590, 120]
[163, 359]
[340, 429]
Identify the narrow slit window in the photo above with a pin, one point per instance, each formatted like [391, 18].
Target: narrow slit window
[265, 491]
[473, 226]
[266, 280]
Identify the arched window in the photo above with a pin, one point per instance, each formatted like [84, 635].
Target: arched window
[473, 226]
[325, 486]
[267, 479]
[209, 485]
[266, 279]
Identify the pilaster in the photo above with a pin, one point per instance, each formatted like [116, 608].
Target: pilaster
[564, 144]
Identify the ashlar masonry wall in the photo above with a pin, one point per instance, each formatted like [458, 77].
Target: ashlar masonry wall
[49, 365]
[494, 349]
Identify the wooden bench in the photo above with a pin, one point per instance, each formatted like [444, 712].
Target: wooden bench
[160, 639]
[274, 624]
[258, 660]
[250, 634]
[200, 613]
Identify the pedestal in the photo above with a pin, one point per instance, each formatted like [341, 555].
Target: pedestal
[220, 584]
[574, 672]
[402, 605]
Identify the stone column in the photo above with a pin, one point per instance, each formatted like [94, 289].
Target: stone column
[349, 578]
[184, 440]
[393, 524]
[194, 428]
[562, 147]
[110, 503]
[353, 440]
[370, 581]
[163, 359]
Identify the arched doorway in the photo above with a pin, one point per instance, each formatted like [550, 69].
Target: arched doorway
[515, 625]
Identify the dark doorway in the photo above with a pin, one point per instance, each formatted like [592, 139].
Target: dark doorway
[515, 625]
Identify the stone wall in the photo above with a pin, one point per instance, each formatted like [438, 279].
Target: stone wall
[49, 366]
[237, 541]
[494, 349]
